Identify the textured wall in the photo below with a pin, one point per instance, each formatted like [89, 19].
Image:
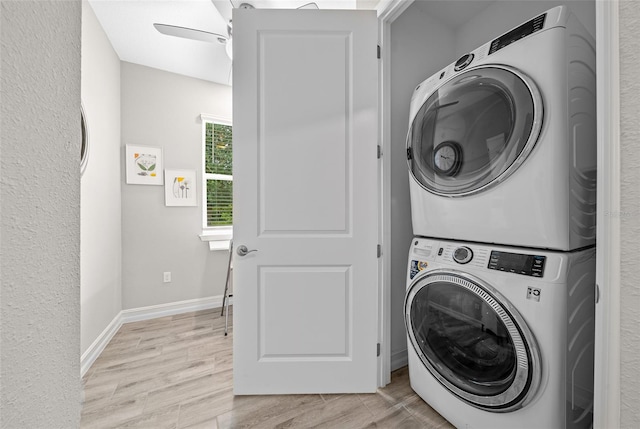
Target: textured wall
[163, 109]
[40, 217]
[630, 209]
[420, 46]
[101, 235]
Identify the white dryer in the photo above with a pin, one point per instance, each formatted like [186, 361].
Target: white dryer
[502, 144]
[502, 337]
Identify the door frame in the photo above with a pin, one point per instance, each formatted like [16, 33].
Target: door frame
[388, 11]
[607, 346]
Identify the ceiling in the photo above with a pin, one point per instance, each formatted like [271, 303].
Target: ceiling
[129, 26]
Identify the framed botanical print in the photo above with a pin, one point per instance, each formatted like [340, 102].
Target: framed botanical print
[143, 165]
[180, 188]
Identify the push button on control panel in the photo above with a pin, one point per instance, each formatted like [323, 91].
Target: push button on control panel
[537, 267]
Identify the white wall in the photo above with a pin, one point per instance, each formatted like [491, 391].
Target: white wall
[420, 46]
[162, 109]
[40, 217]
[630, 219]
[503, 15]
[100, 257]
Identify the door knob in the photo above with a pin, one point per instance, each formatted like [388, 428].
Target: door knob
[243, 251]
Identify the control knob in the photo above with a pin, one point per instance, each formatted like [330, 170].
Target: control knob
[462, 255]
[463, 62]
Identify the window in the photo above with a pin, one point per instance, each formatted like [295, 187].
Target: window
[218, 176]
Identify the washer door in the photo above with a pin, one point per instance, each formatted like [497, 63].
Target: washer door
[474, 131]
[472, 340]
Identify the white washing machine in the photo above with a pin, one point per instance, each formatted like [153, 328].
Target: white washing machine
[502, 337]
[502, 144]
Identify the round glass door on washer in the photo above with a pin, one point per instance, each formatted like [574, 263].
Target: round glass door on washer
[472, 341]
[474, 130]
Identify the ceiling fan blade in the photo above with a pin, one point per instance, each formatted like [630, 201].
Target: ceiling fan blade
[190, 33]
[225, 8]
[309, 6]
[248, 4]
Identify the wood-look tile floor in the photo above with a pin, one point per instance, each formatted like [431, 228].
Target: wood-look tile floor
[176, 372]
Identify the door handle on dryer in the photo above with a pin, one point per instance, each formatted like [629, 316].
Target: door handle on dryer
[243, 251]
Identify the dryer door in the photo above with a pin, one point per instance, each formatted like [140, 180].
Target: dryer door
[474, 131]
[472, 340]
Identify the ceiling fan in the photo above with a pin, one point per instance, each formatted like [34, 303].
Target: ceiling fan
[206, 36]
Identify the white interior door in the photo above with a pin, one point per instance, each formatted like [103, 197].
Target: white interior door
[306, 199]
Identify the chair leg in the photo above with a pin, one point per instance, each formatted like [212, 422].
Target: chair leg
[226, 318]
[226, 284]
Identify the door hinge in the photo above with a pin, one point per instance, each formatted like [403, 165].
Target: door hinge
[379, 151]
[378, 349]
[409, 154]
[379, 250]
[378, 51]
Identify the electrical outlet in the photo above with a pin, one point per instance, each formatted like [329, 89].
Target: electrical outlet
[167, 276]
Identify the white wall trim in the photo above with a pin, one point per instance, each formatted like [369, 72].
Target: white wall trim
[139, 314]
[384, 279]
[217, 119]
[607, 339]
[388, 11]
[169, 309]
[93, 352]
[399, 359]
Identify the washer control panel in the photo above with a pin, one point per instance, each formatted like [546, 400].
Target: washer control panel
[427, 253]
[463, 255]
[528, 265]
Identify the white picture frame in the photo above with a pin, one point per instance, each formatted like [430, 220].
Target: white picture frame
[180, 188]
[143, 165]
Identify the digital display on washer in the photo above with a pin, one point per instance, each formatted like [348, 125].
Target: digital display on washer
[528, 265]
[536, 24]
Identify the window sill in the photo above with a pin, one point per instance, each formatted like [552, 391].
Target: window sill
[218, 239]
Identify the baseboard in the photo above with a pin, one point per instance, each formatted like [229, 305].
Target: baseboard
[171, 308]
[91, 354]
[139, 314]
[399, 359]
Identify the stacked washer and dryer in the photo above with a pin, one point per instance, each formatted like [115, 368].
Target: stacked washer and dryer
[500, 298]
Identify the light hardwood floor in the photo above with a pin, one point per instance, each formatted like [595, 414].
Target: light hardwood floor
[176, 372]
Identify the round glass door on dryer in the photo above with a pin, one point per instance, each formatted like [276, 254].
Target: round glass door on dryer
[474, 131]
[472, 340]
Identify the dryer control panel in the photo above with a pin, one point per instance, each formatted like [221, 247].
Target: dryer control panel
[528, 265]
[530, 27]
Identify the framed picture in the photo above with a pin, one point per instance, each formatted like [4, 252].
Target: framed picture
[180, 188]
[143, 165]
